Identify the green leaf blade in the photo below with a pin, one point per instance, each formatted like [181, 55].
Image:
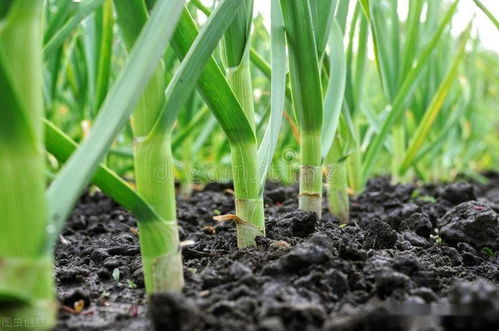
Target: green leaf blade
[116, 109]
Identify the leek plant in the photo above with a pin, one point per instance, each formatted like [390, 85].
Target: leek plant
[26, 284]
[153, 123]
[307, 98]
[334, 136]
[250, 162]
[311, 26]
[26, 288]
[152, 157]
[247, 187]
[355, 67]
[153, 160]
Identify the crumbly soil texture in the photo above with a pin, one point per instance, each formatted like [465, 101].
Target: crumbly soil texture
[415, 257]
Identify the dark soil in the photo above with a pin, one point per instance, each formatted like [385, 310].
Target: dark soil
[417, 257]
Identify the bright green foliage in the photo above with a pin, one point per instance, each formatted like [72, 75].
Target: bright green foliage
[249, 201]
[153, 123]
[223, 94]
[26, 284]
[407, 87]
[307, 99]
[56, 39]
[237, 125]
[61, 146]
[152, 155]
[435, 106]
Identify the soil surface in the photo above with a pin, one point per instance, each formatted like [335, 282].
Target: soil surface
[415, 258]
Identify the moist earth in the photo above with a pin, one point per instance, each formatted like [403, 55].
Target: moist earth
[417, 257]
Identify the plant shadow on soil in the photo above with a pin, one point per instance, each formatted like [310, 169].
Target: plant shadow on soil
[417, 257]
